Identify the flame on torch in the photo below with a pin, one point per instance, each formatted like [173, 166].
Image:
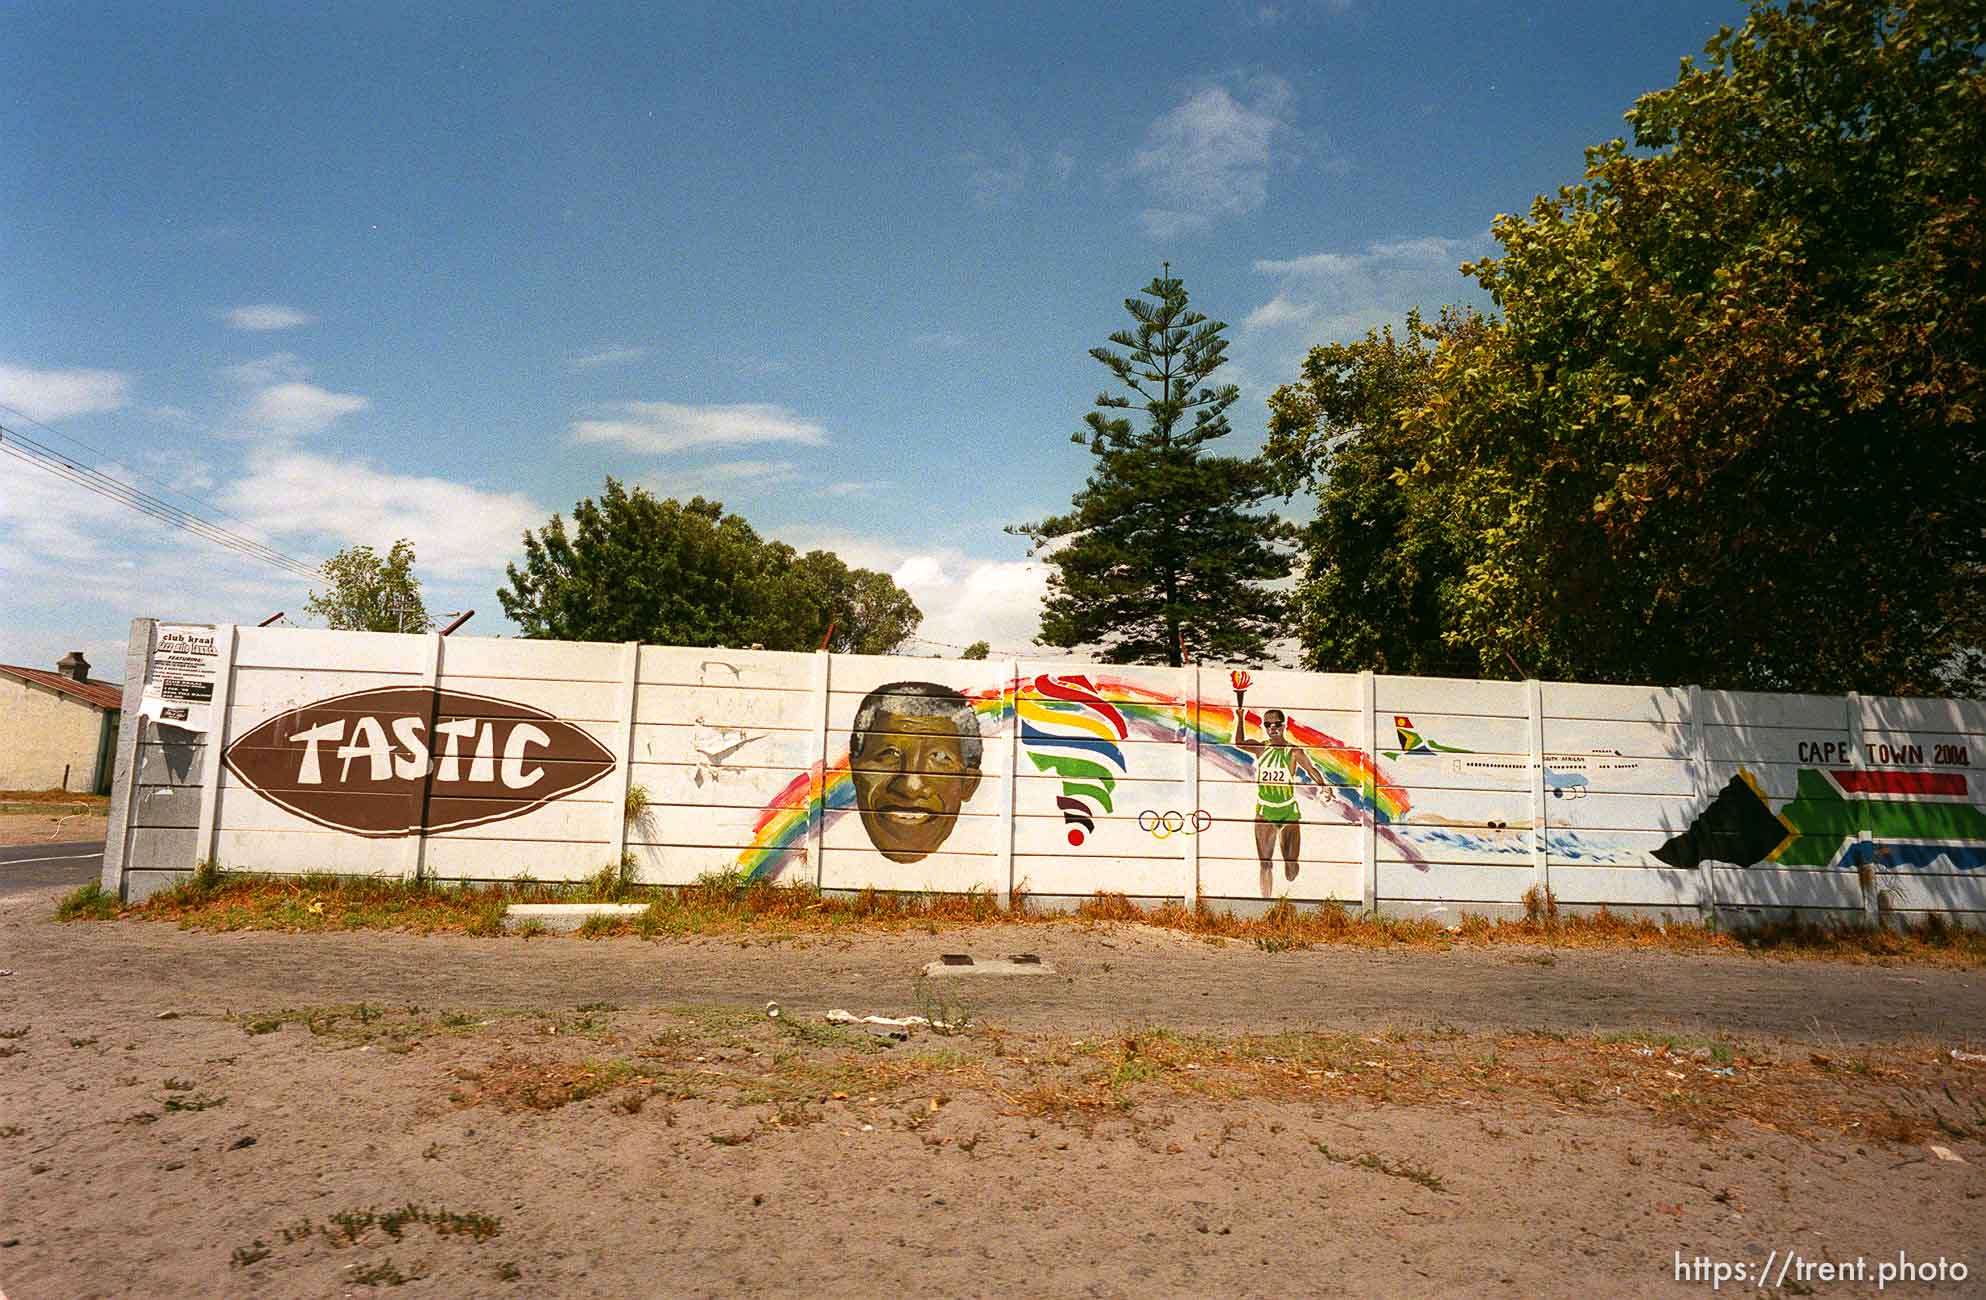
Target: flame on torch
[1240, 680]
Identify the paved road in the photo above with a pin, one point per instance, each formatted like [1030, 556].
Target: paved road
[38, 866]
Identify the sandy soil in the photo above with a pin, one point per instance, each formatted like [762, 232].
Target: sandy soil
[559, 1117]
[41, 828]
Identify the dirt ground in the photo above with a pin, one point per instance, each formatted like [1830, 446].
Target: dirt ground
[42, 828]
[272, 1114]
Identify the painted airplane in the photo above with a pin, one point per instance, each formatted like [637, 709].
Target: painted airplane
[1566, 775]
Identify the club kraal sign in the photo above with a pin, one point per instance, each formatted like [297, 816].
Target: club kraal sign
[398, 760]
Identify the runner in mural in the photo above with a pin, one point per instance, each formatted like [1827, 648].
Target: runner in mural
[914, 761]
[1277, 820]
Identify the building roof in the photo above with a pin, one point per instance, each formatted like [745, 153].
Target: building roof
[104, 695]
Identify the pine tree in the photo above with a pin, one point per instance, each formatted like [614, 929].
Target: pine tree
[1163, 551]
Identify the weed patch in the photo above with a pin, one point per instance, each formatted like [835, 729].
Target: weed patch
[385, 1273]
[250, 1254]
[1391, 1168]
[725, 903]
[87, 902]
[518, 1083]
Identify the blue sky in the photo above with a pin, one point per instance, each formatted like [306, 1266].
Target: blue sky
[345, 273]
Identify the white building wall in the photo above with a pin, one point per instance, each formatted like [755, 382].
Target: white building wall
[44, 732]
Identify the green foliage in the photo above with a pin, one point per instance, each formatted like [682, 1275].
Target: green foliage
[1727, 429]
[977, 650]
[367, 593]
[1163, 541]
[89, 901]
[614, 882]
[633, 567]
[1376, 570]
[635, 805]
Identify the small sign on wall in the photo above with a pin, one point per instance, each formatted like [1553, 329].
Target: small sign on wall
[179, 687]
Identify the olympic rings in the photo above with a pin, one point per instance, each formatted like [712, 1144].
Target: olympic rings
[1163, 825]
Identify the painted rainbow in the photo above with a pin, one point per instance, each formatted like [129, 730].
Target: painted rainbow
[1354, 782]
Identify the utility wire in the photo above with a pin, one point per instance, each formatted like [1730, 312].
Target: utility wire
[39, 454]
[166, 488]
[105, 485]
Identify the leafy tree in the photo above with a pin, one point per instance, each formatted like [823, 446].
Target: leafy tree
[977, 650]
[1727, 430]
[633, 567]
[1163, 542]
[369, 593]
[868, 613]
[1376, 570]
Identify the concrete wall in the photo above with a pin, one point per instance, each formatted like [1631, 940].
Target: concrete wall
[41, 733]
[482, 759]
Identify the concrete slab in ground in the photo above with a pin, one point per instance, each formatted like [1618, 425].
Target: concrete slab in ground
[1024, 963]
[565, 916]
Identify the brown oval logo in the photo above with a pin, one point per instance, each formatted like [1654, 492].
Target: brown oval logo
[392, 760]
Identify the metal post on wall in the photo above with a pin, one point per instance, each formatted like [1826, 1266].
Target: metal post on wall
[1012, 710]
[205, 840]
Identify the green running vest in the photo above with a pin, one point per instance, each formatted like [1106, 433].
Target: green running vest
[1275, 784]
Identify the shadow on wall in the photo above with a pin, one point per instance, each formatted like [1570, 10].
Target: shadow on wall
[181, 752]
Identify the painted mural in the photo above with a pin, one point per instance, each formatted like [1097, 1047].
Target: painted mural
[492, 759]
[1279, 764]
[1911, 819]
[397, 760]
[913, 762]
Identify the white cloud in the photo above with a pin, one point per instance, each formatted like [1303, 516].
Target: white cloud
[851, 488]
[660, 428]
[77, 567]
[276, 368]
[996, 177]
[265, 317]
[611, 355]
[721, 477]
[295, 409]
[62, 394]
[177, 417]
[966, 600]
[1209, 157]
[1277, 311]
[963, 598]
[1332, 297]
[458, 530]
[738, 471]
[280, 403]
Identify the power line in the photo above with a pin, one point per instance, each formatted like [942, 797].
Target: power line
[167, 488]
[39, 454]
[104, 485]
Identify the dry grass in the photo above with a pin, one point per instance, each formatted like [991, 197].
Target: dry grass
[723, 905]
[99, 802]
[795, 1074]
